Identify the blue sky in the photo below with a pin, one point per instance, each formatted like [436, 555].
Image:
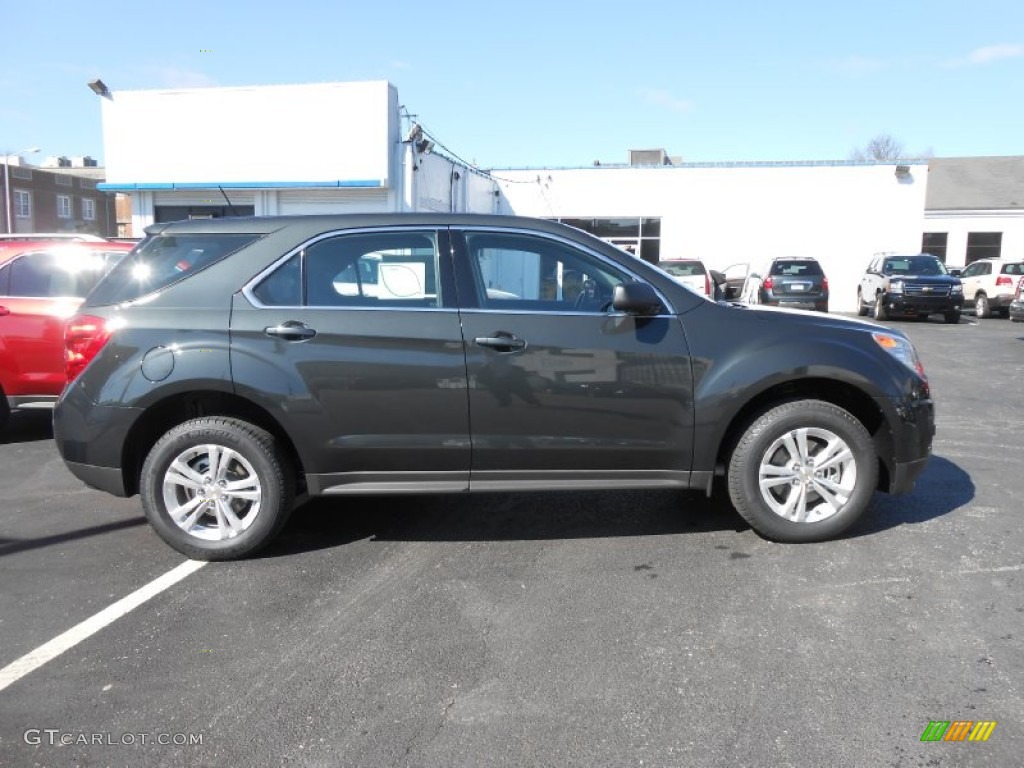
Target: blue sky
[555, 84]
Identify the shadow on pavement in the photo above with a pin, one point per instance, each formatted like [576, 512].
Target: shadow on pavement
[942, 488]
[28, 426]
[330, 522]
[11, 546]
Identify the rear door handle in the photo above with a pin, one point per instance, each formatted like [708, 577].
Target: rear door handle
[291, 330]
[502, 342]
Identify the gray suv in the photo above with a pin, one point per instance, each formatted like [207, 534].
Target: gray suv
[227, 368]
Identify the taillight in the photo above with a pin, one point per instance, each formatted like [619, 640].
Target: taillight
[768, 284]
[84, 337]
[1004, 280]
[707, 285]
[824, 283]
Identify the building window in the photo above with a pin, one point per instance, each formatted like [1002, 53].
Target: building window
[22, 204]
[21, 172]
[935, 244]
[63, 206]
[88, 209]
[640, 237]
[983, 245]
[63, 180]
[87, 183]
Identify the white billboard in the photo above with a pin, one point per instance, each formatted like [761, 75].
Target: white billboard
[322, 134]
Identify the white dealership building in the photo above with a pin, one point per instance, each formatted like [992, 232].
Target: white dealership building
[346, 147]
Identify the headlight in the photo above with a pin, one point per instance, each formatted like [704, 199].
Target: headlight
[957, 289]
[896, 286]
[902, 350]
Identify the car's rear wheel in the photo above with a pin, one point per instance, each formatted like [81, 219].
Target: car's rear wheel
[952, 318]
[803, 471]
[862, 308]
[216, 488]
[880, 314]
[981, 306]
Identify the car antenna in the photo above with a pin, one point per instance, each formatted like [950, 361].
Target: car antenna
[233, 211]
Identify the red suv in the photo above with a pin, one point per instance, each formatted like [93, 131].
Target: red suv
[41, 285]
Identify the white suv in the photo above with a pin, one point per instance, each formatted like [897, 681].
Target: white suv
[989, 285]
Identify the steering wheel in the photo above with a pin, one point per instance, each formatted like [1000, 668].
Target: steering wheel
[590, 298]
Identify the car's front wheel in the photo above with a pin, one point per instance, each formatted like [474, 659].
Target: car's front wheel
[981, 307]
[803, 471]
[880, 314]
[862, 308]
[216, 488]
[952, 318]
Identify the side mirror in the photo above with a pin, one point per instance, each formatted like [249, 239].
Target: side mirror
[636, 299]
[956, 272]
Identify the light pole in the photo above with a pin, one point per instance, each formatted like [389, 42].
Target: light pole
[8, 213]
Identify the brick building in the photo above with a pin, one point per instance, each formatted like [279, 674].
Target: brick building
[62, 198]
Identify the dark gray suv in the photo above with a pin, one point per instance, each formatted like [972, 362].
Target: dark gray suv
[226, 368]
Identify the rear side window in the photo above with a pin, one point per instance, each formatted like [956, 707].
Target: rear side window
[796, 268]
[163, 260]
[54, 274]
[1013, 269]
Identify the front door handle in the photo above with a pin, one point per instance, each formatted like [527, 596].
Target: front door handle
[291, 330]
[501, 341]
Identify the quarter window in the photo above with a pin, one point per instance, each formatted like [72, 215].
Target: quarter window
[522, 272]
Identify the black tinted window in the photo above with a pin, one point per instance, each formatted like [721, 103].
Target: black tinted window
[163, 260]
[801, 268]
[283, 288]
[914, 265]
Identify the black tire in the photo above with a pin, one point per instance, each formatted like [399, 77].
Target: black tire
[268, 469]
[951, 318]
[758, 445]
[879, 312]
[5, 410]
[982, 309]
[862, 308]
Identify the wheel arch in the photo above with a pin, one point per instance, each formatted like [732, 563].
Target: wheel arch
[846, 396]
[180, 407]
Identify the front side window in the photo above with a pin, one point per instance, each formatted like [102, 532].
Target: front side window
[378, 269]
[63, 206]
[524, 272]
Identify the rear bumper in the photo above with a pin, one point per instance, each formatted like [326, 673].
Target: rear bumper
[109, 479]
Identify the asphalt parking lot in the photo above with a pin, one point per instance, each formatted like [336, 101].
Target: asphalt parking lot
[649, 628]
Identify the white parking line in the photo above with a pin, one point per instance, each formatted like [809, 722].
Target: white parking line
[51, 650]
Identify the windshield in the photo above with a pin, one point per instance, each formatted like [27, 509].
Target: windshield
[683, 268]
[914, 265]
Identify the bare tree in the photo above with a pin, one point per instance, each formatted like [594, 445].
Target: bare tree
[883, 147]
